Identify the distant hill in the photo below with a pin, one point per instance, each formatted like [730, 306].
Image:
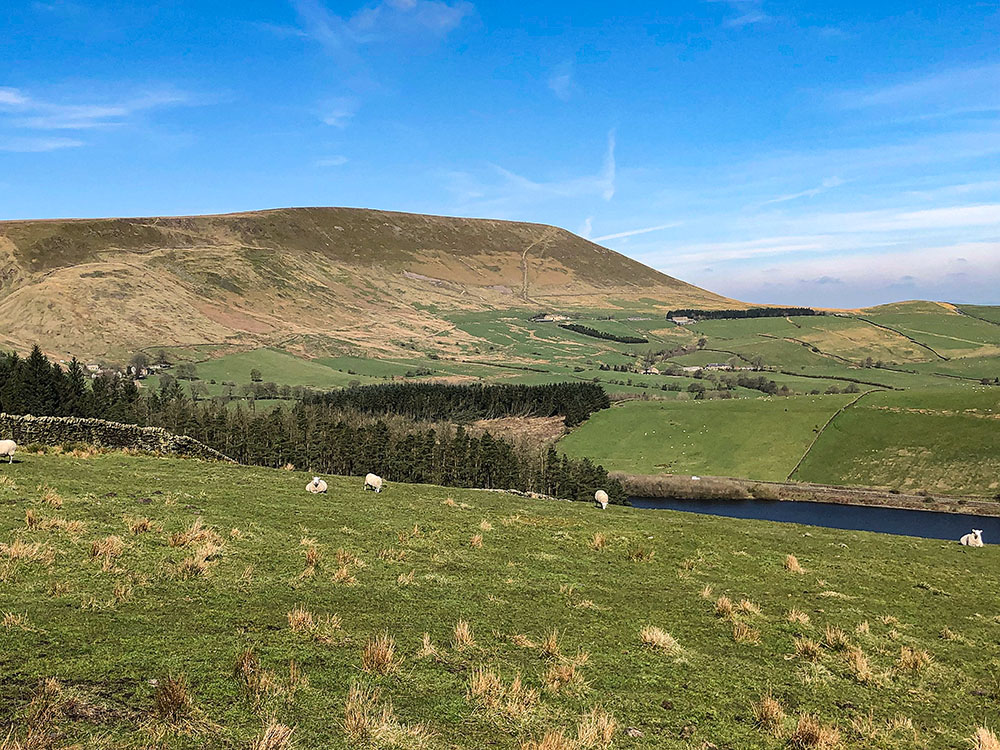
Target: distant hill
[304, 278]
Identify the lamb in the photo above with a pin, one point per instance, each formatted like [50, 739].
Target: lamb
[601, 498]
[7, 448]
[975, 539]
[373, 481]
[316, 485]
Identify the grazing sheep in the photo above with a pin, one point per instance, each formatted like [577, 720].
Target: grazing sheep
[7, 448]
[316, 485]
[975, 539]
[601, 498]
[373, 481]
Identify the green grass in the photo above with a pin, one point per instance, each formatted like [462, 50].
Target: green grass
[536, 572]
[275, 366]
[760, 438]
[945, 440]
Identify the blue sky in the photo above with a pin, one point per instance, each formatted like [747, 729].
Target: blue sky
[826, 153]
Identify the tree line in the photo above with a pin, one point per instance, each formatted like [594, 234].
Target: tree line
[594, 333]
[751, 312]
[435, 402]
[352, 435]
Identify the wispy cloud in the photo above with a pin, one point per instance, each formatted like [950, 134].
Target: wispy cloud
[339, 112]
[332, 161]
[29, 145]
[389, 22]
[33, 113]
[746, 12]
[514, 192]
[634, 232]
[561, 80]
[829, 182]
[343, 35]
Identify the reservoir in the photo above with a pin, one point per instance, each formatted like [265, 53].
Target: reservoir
[921, 523]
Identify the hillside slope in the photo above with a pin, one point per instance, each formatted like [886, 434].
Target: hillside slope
[235, 558]
[308, 277]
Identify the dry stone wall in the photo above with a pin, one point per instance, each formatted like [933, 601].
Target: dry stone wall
[26, 429]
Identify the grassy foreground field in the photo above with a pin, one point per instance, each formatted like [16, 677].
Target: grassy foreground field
[123, 578]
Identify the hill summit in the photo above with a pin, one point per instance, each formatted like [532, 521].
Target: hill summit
[308, 277]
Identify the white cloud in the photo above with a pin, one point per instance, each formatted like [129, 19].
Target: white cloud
[977, 84]
[341, 36]
[829, 182]
[587, 227]
[634, 232]
[962, 272]
[561, 81]
[340, 111]
[333, 161]
[12, 97]
[27, 145]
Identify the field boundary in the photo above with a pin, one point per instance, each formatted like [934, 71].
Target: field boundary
[908, 338]
[26, 429]
[819, 434]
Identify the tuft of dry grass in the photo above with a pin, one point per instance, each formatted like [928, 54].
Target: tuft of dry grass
[549, 646]
[274, 736]
[6, 483]
[596, 729]
[172, 699]
[22, 551]
[797, 616]
[598, 541]
[379, 655]
[107, 549]
[948, 634]
[476, 542]
[835, 638]
[706, 592]
[427, 647]
[743, 633]
[724, 607]
[462, 637]
[50, 497]
[863, 628]
[13, 620]
[196, 533]
[522, 641]
[811, 733]
[985, 739]
[485, 525]
[343, 575]
[913, 659]
[858, 663]
[300, 619]
[199, 562]
[639, 554]
[365, 721]
[139, 525]
[747, 607]
[659, 639]
[406, 579]
[565, 675]
[808, 649]
[768, 715]
[792, 564]
[487, 690]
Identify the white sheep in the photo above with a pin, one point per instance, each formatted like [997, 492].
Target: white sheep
[7, 448]
[601, 498]
[316, 485]
[975, 539]
[373, 481]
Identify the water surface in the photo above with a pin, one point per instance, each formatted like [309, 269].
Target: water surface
[921, 523]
